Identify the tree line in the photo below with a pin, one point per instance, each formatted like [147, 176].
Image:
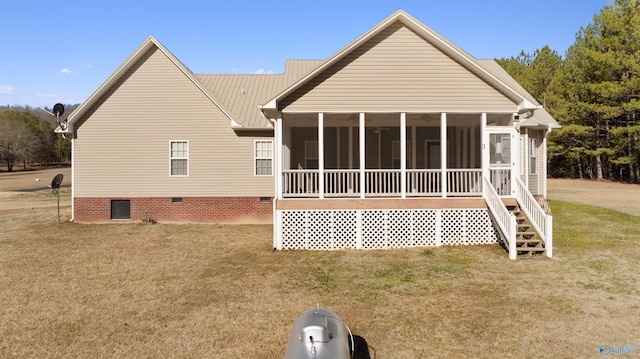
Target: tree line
[594, 93]
[27, 138]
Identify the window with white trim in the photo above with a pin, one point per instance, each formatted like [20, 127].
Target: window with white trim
[533, 156]
[311, 160]
[179, 158]
[263, 158]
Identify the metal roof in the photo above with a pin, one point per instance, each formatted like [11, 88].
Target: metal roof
[242, 94]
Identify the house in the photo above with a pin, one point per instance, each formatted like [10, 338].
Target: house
[399, 139]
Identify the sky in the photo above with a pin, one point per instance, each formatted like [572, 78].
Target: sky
[62, 50]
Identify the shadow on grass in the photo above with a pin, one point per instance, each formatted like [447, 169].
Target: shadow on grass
[361, 348]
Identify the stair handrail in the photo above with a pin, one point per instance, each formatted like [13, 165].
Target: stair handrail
[541, 221]
[506, 220]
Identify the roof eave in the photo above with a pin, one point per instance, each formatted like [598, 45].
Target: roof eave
[526, 106]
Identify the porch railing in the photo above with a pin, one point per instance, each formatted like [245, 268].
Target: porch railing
[424, 183]
[381, 183]
[540, 220]
[301, 183]
[505, 220]
[464, 182]
[501, 180]
[342, 183]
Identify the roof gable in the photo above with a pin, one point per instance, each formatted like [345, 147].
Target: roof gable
[396, 71]
[438, 42]
[149, 45]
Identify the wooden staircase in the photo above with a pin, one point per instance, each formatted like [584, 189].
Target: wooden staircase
[528, 242]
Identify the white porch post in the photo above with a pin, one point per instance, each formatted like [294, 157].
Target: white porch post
[277, 216]
[443, 153]
[524, 156]
[320, 155]
[279, 142]
[362, 153]
[403, 155]
[484, 159]
[515, 160]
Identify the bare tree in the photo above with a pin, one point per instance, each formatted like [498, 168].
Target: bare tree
[17, 142]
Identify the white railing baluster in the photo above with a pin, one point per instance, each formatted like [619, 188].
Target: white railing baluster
[506, 220]
[541, 221]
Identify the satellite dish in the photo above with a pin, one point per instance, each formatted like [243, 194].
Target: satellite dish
[58, 109]
[55, 183]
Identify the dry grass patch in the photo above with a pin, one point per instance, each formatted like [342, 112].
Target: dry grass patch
[215, 291]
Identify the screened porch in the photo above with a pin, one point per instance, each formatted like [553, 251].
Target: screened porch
[394, 155]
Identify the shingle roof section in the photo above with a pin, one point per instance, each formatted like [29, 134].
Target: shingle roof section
[242, 94]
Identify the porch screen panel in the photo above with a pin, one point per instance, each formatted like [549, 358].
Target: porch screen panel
[311, 155]
[500, 150]
[500, 162]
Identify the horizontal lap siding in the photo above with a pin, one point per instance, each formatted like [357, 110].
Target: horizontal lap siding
[535, 180]
[122, 148]
[397, 71]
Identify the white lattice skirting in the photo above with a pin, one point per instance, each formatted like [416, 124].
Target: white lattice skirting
[382, 229]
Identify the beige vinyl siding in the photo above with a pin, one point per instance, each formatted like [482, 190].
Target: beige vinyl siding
[122, 148]
[536, 180]
[398, 71]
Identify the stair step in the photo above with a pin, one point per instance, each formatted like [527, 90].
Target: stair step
[528, 241]
[531, 249]
[526, 233]
[529, 244]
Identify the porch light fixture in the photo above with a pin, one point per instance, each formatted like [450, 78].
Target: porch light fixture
[516, 122]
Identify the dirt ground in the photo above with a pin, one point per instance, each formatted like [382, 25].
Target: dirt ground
[15, 187]
[619, 196]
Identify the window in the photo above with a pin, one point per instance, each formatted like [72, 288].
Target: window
[263, 158]
[533, 156]
[179, 158]
[120, 209]
[395, 153]
[311, 155]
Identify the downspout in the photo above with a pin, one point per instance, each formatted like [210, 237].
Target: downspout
[73, 177]
[275, 220]
[73, 167]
